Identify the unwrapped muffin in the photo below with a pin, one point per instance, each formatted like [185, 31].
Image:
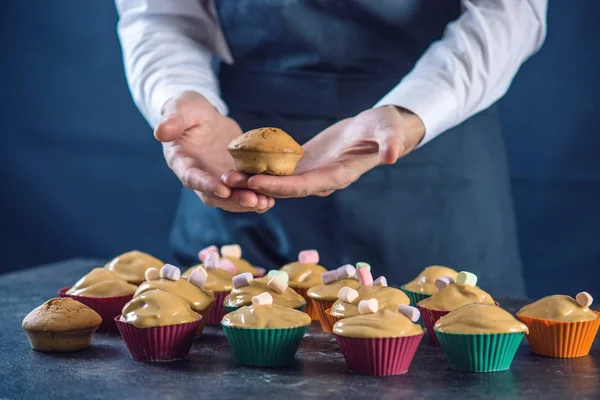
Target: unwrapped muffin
[269, 151]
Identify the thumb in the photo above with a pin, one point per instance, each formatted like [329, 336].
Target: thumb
[185, 111]
[170, 128]
[391, 146]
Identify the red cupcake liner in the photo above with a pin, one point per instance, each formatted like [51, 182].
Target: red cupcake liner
[217, 312]
[107, 307]
[161, 343]
[429, 318]
[379, 357]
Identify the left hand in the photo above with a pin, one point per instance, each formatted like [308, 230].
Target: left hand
[339, 155]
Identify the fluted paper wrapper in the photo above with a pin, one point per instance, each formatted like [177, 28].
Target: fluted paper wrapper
[161, 343]
[310, 310]
[560, 339]
[321, 307]
[379, 357]
[480, 352]
[217, 311]
[264, 347]
[107, 307]
[429, 318]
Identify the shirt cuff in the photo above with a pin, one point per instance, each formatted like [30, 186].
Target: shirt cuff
[435, 105]
[163, 93]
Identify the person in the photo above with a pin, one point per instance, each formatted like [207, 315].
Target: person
[393, 101]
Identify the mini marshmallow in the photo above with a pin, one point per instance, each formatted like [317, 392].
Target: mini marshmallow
[346, 271]
[211, 261]
[262, 299]
[347, 294]
[170, 272]
[204, 252]
[198, 277]
[308, 257]
[443, 281]
[368, 306]
[381, 281]
[361, 265]
[409, 312]
[466, 278]
[231, 251]
[328, 277]
[277, 284]
[259, 271]
[584, 299]
[228, 266]
[151, 274]
[242, 280]
[364, 276]
[281, 274]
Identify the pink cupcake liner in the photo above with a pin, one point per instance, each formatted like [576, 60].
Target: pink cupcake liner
[107, 307]
[217, 312]
[161, 343]
[430, 317]
[379, 357]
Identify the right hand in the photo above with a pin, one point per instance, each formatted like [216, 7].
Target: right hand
[195, 138]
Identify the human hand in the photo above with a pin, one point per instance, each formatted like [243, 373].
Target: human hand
[195, 138]
[340, 154]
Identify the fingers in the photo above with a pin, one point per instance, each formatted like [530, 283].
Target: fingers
[235, 179]
[318, 182]
[183, 112]
[239, 201]
[192, 177]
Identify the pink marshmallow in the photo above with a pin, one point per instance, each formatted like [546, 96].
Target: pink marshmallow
[151, 274]
[198, 277]
[381, 281]
[346, 271]
[409, 312]
[211, 261]
[242, 280]
[228, 266]
[259, 271]
[277, 284]
[368, 306]
[364, 276]
[308, 257]
[204, 252]
[328, 277]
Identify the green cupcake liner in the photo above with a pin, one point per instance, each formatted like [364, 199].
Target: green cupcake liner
[264, 347]
[229, 309]
[415, 297]
[480, 352]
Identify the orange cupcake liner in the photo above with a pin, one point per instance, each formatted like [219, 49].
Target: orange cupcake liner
[330, 319]
[560, 339]
[321, 306]
[310, 310]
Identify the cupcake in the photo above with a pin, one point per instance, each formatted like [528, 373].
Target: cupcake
[61, 324]
[323, 297]
[132, 266]
[379, 341]
[449, 297]
[104, 292]
[348, 299]
[158, 325]
[190, 289]
[264, 334]
[423, 285]
[560, 326]
[219, 274]
[245, 287]
[304, 274]
[480, 337]
[268, 151]
[232, 253]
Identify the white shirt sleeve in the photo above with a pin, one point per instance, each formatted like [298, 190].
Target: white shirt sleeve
[168, 47]
[474, 63]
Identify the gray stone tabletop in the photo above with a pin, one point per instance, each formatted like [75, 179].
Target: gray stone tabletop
[106, 370]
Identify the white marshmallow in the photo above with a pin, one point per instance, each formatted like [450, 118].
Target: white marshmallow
[347, 294]
[584, 299]
[242, 280]
[368, 306]
[262, 299]
[170, 272]
[409, 312]
[198, 277]
[231, 251]
[277, 284]
[151, 274]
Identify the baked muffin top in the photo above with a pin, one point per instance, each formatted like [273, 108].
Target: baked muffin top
[61, 315]
[266, 140]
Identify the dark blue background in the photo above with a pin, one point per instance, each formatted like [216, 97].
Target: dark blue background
[81, 174]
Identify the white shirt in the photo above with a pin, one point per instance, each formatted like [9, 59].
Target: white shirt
[168, 47]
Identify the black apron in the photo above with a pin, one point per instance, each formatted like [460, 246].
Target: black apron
[304, 65]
